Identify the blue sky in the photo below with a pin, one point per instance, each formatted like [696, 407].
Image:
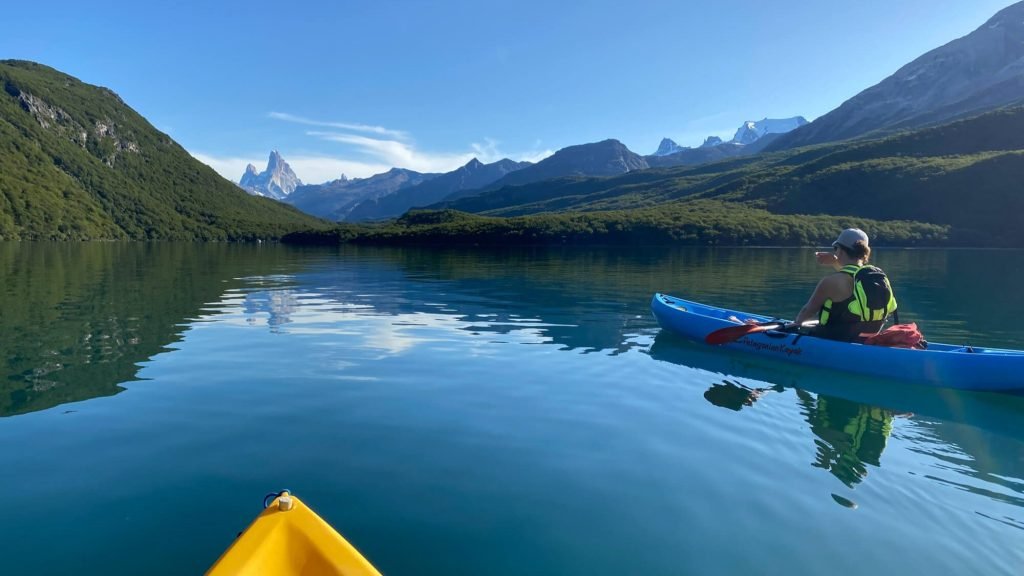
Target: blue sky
[358, 87]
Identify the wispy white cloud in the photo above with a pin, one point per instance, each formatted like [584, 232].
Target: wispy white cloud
[712, 119]
[317, 169]
[397, 153]
[489, 151]
[533, 156]
[354, 127]
[406, 155]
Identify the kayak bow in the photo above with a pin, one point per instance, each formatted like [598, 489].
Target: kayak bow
[288, 538]
[941, 365]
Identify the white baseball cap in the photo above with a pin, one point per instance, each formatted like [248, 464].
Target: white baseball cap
[849, 237]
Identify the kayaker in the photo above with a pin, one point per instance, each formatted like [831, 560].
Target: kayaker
[855, 301]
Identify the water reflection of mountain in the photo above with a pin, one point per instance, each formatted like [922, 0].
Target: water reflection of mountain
[851, 417]
[78, 318]
[278, 304]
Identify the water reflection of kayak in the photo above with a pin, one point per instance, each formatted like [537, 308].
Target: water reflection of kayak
[997, 413]
[850, 435]
[941, 365]
[851, 416]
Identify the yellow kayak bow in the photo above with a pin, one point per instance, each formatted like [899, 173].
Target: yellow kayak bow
[289, 538]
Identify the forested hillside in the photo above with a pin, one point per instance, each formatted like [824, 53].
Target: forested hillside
[76, 163]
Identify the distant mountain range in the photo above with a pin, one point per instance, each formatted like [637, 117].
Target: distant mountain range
[277, 181]
[605, 158]
[702, 155]
[473, 175]
[335, 199]
[981, 71]
[751, 137]
[748, 133]
[392, 193]
[910, 175]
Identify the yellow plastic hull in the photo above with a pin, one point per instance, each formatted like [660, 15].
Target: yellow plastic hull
[296, 541]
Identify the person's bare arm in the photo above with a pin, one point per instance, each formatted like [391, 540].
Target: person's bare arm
[826, 289]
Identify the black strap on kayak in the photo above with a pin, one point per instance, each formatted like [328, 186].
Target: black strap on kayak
[270, 497]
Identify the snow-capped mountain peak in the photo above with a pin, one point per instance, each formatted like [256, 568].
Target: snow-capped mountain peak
[277, 181]
[667, 146]
[752, 131]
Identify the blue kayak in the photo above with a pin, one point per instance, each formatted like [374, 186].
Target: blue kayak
[941, 365]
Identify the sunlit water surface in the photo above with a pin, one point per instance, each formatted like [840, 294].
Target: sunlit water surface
[488, 412]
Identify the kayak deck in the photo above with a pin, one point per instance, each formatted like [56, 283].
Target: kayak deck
[291, 541]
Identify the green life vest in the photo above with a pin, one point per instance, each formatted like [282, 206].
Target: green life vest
[870, 304]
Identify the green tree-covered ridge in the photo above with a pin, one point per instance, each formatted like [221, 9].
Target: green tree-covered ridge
[955, 184]
[76, 163]
[691, 223]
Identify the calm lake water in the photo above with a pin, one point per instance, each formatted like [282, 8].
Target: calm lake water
[488, 413]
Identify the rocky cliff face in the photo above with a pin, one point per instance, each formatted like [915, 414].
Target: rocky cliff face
[104, 138]
[277, 181]
[981, 71]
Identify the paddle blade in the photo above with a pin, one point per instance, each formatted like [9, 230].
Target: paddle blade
[733, 333]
